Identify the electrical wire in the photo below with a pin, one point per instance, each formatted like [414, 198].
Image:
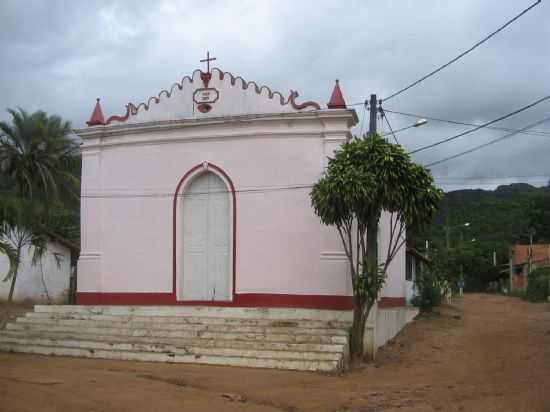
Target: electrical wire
[481, 126]
[482, 178]
[491, 142]
[438, 119]
[363, 118]
[383, 114]
[265, 189]
[479, 43]
[259, 189]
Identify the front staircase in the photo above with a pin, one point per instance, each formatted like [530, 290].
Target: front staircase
[299, 339]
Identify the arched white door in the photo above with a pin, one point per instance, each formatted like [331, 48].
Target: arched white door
[206, 242]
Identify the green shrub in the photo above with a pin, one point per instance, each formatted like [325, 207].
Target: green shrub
[428, 290]
[537, 285]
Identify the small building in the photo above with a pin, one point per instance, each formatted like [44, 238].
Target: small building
[414, 266]
[524, 258]
[200, 196]
[196, 204]
[44, 281]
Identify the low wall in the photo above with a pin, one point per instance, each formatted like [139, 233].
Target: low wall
[385, 323]
[45, 282]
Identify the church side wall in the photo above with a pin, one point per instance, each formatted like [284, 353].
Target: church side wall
[281, 246]
[394, 291]
[284, 255]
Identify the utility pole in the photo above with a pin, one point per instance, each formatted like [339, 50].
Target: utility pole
[510, 257]
[462, 257]
[530, 264]
[530, 250]
[548, 298]
[447, 229]
[373, 112]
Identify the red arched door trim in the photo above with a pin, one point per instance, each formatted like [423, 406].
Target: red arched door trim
[186, 176]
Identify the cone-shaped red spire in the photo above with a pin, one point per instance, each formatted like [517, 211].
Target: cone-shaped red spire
[97, 116]
[337, 99]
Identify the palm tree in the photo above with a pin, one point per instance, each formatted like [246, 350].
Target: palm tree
[38, 155]
[39, 164]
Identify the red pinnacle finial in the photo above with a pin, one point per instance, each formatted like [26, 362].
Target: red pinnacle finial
[337, 99]
[97, 116]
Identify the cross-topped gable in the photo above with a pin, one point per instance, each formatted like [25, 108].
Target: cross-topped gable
[208, 94]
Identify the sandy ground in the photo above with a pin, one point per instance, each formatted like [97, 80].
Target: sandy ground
[483, 353]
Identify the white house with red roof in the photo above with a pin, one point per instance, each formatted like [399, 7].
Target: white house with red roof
[196, 203]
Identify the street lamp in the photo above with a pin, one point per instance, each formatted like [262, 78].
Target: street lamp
[448, 232]
[418, 123]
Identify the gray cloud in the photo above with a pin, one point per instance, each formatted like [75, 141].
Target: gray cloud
[59, 56]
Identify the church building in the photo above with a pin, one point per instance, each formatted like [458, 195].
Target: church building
[200, 196]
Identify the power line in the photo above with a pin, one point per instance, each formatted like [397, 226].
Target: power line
[489, 181]
[259, 189]
[363, 118]
[438, 119]
[480, 126]
[388, 123]
[479, 43]
[481, 178]
[264, 189]
[473, 149]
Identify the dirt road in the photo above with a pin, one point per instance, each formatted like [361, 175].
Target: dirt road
[484, 353]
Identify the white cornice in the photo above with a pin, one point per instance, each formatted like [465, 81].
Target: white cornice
[134, 128]
[322, 123]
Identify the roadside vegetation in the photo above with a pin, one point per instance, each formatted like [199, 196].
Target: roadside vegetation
[39, 187]
[473, 230]
[368, 177]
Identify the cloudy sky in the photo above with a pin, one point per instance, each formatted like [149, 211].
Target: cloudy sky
[60, 55]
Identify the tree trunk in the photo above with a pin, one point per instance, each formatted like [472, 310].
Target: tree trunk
[360, 313]
[372, 242]
[357, 329]
[14, 278]
[364, 300]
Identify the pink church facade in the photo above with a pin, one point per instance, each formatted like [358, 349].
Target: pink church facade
[201, 197]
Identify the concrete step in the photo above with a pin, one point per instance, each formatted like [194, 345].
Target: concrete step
[179, 349]
[294, 336]
[152, 324]
[252, 337]
[190, 320]
[305, 365]
[206, 343]
[286, 314]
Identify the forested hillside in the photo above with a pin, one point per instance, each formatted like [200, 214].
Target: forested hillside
[479, 222]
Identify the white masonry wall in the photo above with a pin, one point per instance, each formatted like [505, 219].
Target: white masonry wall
[395, 279]
[272, 150]
[127, 196]
[36, 282]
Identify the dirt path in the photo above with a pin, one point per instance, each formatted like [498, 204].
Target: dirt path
[484, 353]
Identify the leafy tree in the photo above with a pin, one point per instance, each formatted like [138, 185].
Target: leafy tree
[365, 178]
[538, 215]
[498, 218]
[38, 156]
[38, 174]
[537, 285]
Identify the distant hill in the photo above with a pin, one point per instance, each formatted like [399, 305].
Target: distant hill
[497, 218]
[494, 215]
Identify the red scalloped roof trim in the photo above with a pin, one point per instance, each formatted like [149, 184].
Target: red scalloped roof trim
[337, 99]
[293, 95]
[120, 118]
[132, 109]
